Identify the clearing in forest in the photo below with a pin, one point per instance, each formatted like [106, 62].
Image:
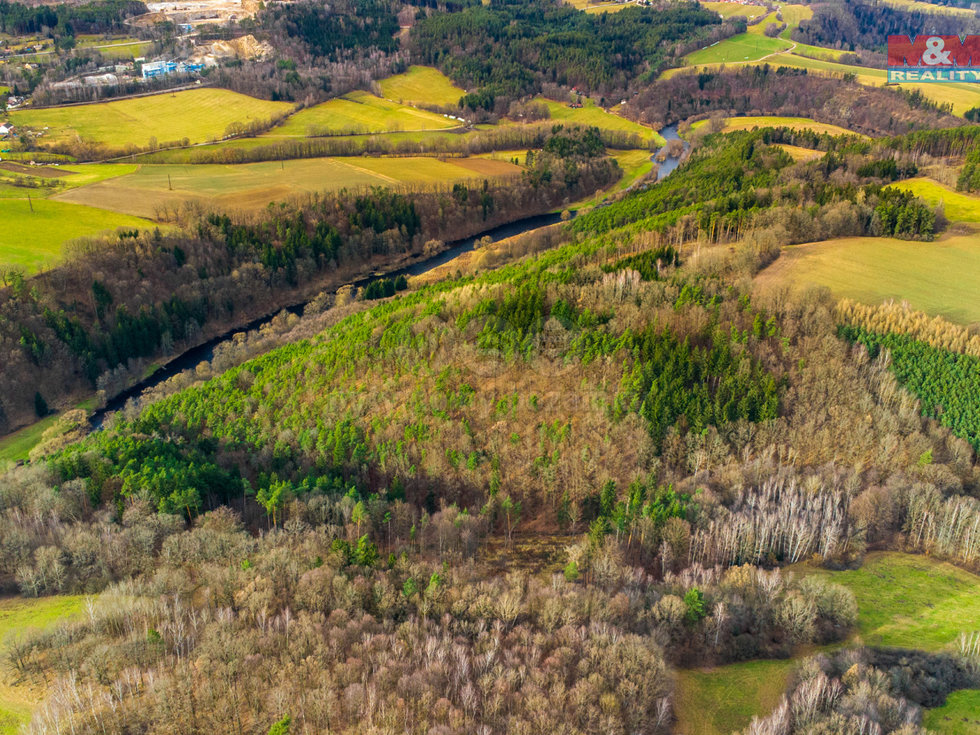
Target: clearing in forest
[422, 85]
[18, 615]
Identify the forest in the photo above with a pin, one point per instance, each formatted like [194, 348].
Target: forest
[507, 49]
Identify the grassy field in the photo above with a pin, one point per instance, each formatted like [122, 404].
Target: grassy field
[421, 85]
[253, 185]
[959, 716]
[16, 615]
[634, 164]
[724, 699]
[732, 10]
[910, 601]
[591, 114]
[800, 154]
[15, 447]
[769, 121]
[957, 206]
[33, 240]
[938, 278]
[740, 48]
[359, 113]
[197, 114]
[792, 15]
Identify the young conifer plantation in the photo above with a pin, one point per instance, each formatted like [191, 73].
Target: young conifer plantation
[631, 460]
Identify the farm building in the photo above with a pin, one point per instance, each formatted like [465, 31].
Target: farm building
[5, 130]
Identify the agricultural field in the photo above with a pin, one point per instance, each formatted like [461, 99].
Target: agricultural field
[957, 206]
[744, 47]
[938, 278]
[253, 185]
[421, 86]
[197, 114]
[35, 239]
[723, 699]
[634, 164]
[591, 114]
[959, 716]
[359, 113]
[17, 615]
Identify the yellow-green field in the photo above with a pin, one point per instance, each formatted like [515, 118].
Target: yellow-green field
[957, 206]
[197, 114]
[724, 699]
[792, 15]
[359, 113]
[741, 48]
[939, 278]
[771, 121]
[910, 601]
[593, 115]
[422, 85]
[732, 10]
[959, 716]
[634, 164]
[800, 154]
[34, 240]
[254, 185]
[17, 446]
[924, 7]
[17, 700]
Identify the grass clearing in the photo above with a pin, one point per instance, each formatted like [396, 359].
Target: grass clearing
[421, 85]
[796, 123]
[252, 186]
[16, 615]
[196, 114]
[792, 15]
[724, 699]
[741, 48]
[958, 207]
[938, 277]
[33, 240]
[910, 601]
[359, 113]
[927, 7]
[15, 447]
[959, 716]
[592, 115]
[798, 153]
[634, 164]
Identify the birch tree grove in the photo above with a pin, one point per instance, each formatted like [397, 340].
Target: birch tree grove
[779, 521]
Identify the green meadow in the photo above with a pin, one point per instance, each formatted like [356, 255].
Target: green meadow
[421, 85]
